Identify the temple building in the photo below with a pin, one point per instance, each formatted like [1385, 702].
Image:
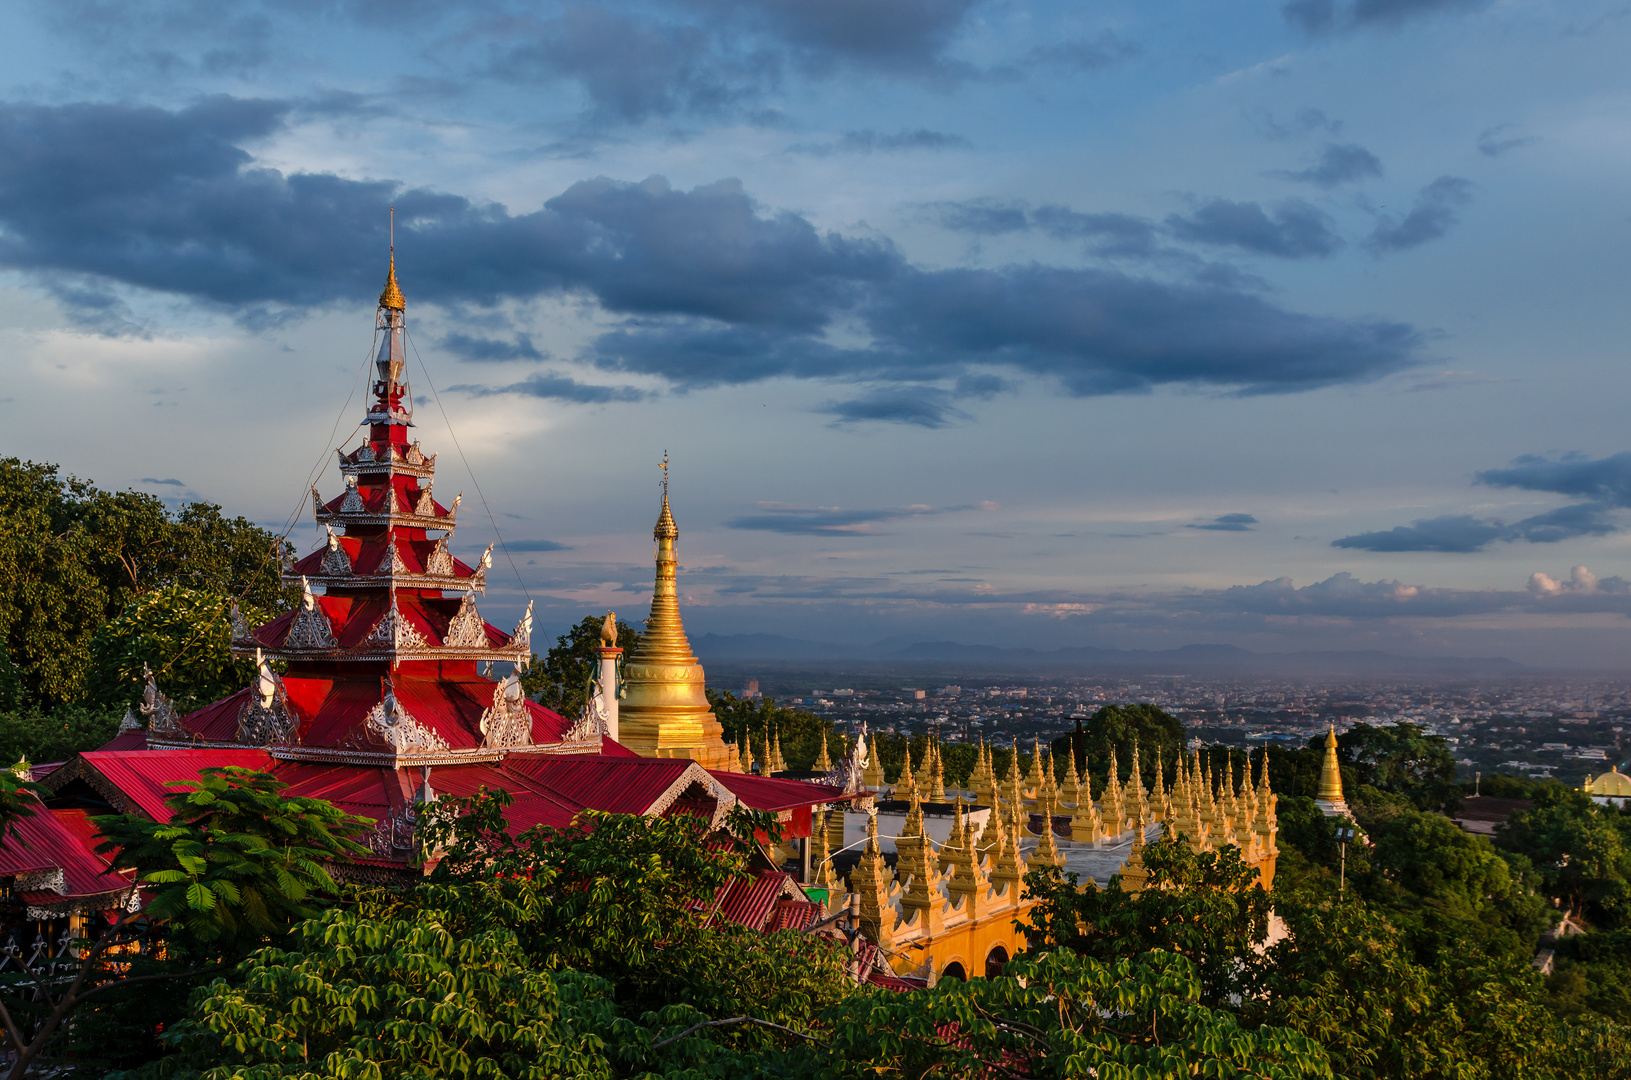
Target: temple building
[949, 905]
[394, 691]
[1612, 788]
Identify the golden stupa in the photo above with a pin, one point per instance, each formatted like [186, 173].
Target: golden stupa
[1330, 799]
[664, 712]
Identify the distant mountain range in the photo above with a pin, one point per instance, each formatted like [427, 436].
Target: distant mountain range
[773, 649]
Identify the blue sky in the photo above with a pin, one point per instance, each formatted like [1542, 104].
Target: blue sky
[1286, 325]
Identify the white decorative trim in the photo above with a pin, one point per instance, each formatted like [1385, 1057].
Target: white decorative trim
[390, 724]
[466, 630]
[416, 456]
[310, 628]
[694, 774]
[393, 631]
[426, 506]
[397, 565]
[129, 723]
[265, 719]
[440, 560]
[593, 723]
[162, 720]
[394, 833]
[52, 880]
[240, 626]
[523, 629]
[847, 773]
[506, 723]
[335, 561]
[352, 503]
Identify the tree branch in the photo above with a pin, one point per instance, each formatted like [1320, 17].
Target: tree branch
[732, 1020]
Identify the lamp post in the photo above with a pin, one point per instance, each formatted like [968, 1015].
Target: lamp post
[1344, 834]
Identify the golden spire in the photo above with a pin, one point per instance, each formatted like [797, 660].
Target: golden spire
[1330, 798]
[392, 296]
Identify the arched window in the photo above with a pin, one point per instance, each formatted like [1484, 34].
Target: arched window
[954, 970]
[994, 960]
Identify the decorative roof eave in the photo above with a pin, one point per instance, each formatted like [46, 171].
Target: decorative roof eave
[343, 755]
[510, 650]
[389, 416]
[477, 582]
[396, 519]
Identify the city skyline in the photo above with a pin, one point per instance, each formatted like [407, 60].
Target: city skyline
[1296, 326]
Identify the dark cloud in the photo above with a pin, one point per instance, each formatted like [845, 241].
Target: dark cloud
[1605, 480]
[1453, 533]
[468, 347]
[1296, 230]
[1433, 215]
[894, 36]
[711, 287]
[1108, 233]
[835, 521]
[1604, 484]
[868, 142]
[920, 407]
[1229, 523]
[536, 545]
[1339, 163]
[1495, 141]
[559, 388]
[1316, 17]
[632, 69]
[1302, 124]
[170, 483]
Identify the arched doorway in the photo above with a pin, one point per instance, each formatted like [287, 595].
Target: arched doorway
[954, 970]
[994, 960]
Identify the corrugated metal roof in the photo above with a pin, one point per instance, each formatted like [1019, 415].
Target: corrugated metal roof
[769, 793]
[142, 775]
[617, 785]
[751, 900]
[60, 839]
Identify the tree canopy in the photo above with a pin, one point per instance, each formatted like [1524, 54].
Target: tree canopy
[560, 681]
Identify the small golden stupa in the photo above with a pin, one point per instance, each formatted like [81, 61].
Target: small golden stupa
[664, 712]
[1330, 798]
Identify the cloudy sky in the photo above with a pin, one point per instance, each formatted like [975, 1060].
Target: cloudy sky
[1289, 325]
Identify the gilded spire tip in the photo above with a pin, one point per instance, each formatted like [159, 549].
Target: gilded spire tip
[392, 296]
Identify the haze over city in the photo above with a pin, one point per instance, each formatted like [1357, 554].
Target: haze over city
[1284, 326]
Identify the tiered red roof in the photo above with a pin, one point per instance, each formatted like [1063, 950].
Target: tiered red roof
[385, 699]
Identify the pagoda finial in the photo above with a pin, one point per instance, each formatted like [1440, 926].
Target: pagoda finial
[391, 298]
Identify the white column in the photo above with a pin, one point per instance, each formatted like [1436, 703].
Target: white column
[609, 687]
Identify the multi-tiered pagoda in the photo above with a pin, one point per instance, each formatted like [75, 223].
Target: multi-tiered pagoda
[394, 690]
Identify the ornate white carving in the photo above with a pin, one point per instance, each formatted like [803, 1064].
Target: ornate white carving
[52, 880]
[389, 723]
[507, 723]
[310, 628]
[466, 629]
[352, 503]
[317, 508]
[129, 723]
[847, 773]
[440, 560]
[426, 506]
[364, 454]
[394, 833]
[523, 629]
[240, 626]
[336, 563]
[486, 563]
[395, 632]
[594, 722]
[162, 721]
[452, 511]
[397, 565]
[414, 456]
[266, 719]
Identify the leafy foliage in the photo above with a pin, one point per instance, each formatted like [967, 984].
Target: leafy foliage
[561, 680]
[1058, 1014]
[1206, 906]
[1116, 729]
[184, 636]
[800, 731]
[240, 860]
[57, 735]
[72, 557]
[1582, 852]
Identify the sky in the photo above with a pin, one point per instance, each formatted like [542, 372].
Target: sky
[1284, 325]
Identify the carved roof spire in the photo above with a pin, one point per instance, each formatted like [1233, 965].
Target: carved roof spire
[391, 298]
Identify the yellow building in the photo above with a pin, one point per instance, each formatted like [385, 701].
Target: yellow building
[949, 907]
[664, 711]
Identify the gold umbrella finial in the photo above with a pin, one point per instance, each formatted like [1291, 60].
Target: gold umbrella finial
[391, 298]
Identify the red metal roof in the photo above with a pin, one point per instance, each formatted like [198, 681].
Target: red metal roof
[618, 785]
[769, 793]
[749, 901]
[142, 775]
[59, 839]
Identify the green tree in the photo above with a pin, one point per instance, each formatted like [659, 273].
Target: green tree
[57, 735]
[1116, 729]
[183, 636]
[391, 998]
[799, 730]
[561, 680]
[1581, 851]
[239, 861]
[1204, 905]
[73, 556]
[1401, 759]
[1058, 1014]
